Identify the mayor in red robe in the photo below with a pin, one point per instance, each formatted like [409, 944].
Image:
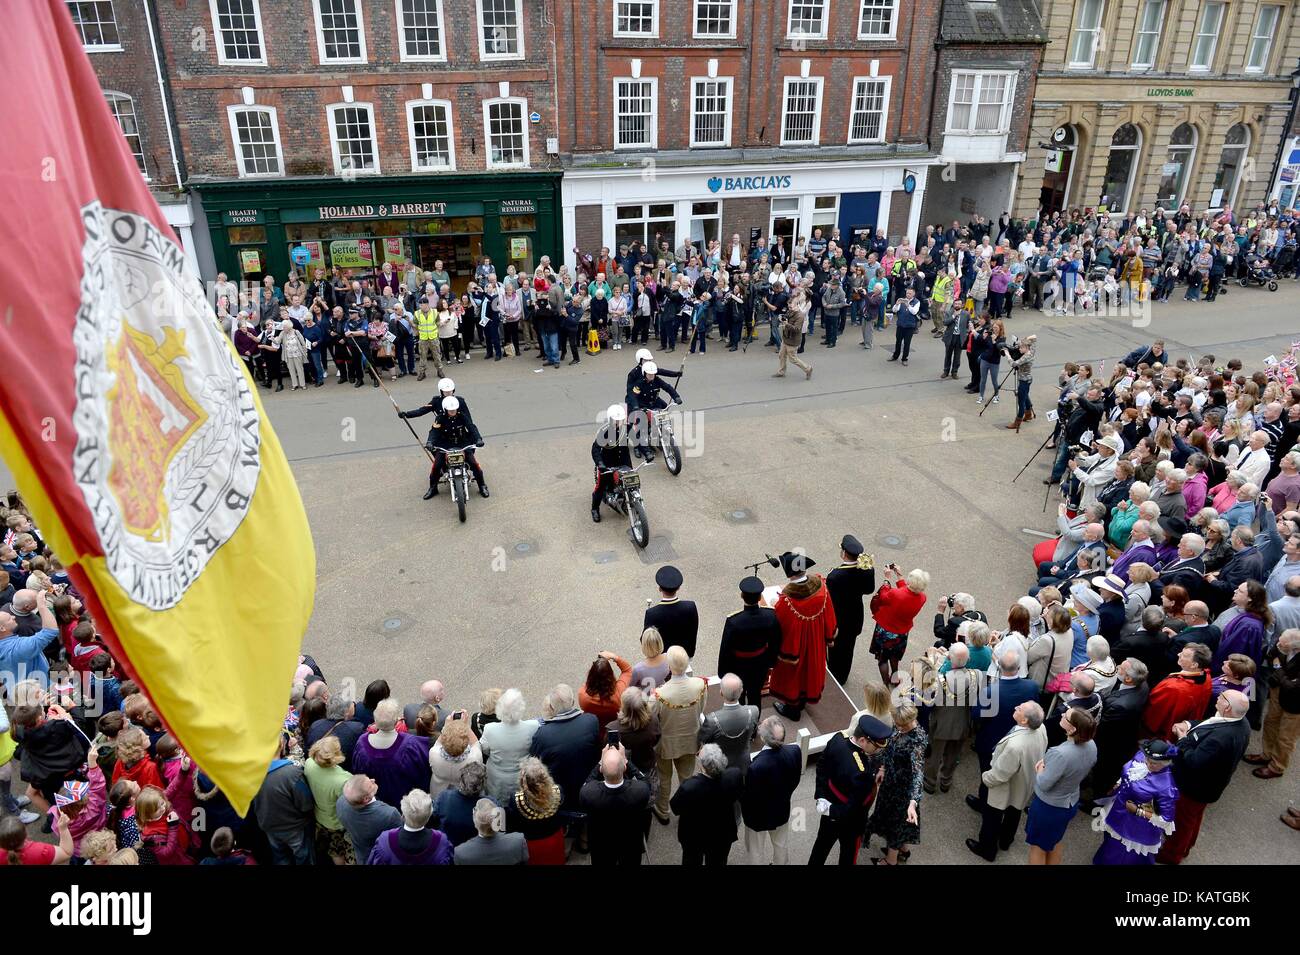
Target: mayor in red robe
[1181, 696]
[808, 630]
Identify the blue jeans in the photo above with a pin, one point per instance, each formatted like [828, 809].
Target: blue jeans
[1062, 457]
[988, 370]
[317, 363]
[1023, 404]
[406, 356]
[551, 346]
[492, 331]
[294, 849]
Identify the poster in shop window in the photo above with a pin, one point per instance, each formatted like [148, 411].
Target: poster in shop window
[352, 254]
[518, 248]
[250, 260]
[394, 252]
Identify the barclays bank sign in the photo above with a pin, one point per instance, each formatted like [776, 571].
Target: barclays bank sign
[749, 183]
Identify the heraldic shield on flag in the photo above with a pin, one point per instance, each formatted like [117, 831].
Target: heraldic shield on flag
[168, 457]
[137, 440]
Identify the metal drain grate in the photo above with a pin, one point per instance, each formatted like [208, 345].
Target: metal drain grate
[658, 551]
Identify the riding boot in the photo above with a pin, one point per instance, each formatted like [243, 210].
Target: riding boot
[433, 488]
[483, 489]
[1015, 425]
[1029, 414]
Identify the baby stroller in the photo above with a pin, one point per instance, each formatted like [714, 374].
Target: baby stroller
[1284, 265]
[1258, 272]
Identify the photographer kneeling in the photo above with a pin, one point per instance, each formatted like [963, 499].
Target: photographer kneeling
[959, 609]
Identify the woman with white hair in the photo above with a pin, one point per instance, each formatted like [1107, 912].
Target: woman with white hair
[1137, 595]
[505, 744]
[455, 748]
[397, 762]
[1099, 665]
[413, 843]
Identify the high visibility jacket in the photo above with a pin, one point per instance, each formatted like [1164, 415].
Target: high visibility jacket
[942, 291]
[426, 324]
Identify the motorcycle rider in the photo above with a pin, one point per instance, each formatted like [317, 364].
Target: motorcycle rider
[645, 397]
[635, 377]
[609, 450]
[452, 431]
[446, 389]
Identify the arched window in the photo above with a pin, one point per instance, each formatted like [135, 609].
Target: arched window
[1125, 148]
[1235, 146]
[1175, 174]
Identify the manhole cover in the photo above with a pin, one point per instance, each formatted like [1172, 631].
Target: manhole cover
[894, 541]
[605, 557]
[563, 475]
[524, 549]
[658, 551]
[739, 515]
[393, 623]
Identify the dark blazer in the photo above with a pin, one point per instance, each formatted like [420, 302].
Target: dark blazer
[1117, 732]
[751, 638]
[773, 777]
[1209, 635]
[996, 719]
[1207, 757]
[616, 819]
[1151, 648]
[706, 809]
[569, 745]
[678, 623]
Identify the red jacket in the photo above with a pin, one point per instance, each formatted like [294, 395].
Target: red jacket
[145, 773]
[895, 606]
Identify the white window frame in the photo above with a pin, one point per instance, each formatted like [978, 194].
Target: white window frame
[654, 20]
[142, 158]
[487, 132]
[884, 111]
[972, 110]
[1230, 196]
[1095, 31]
[222, 59]
[232, 113]
[320, 35]
[1139, 33]
[790, 33]
[1192, 66]
[654, 112]
[1267, 38]
[334, 138]
[483, 53]
[101, 47]
[730, 83]
[411, 107]
[440, 57]
[695, 20]
[820, 82]
[893, 22]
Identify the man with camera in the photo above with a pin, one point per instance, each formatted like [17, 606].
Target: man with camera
[1082, 414]
[960, 608]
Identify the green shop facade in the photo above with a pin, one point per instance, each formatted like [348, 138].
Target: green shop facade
[268, 227]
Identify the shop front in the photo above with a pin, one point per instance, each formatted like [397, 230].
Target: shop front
[614, 208]
[269, 228]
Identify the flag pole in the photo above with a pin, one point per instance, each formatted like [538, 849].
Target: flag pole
[365, 364]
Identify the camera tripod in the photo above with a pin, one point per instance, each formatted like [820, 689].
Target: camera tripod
[1046, 441]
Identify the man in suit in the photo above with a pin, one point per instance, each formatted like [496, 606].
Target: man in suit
[1140, 549]
[1208, 754]
[680, 702]
[751, 638]
[705, 806]
[1198, 630]
[731, 727]
[1281, 674]
[1117, 730]
[847, 773]
[1149, 644]
[996, 715]
[1187, 570]
[616, 800]
[1246, 563]
[431, 694]
[765, 801]
[677, 620]
[491, 847]
[567, 741]
[849, 584]
[1009, 780]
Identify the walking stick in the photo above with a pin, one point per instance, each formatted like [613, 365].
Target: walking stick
[999, 388]
[365, 364]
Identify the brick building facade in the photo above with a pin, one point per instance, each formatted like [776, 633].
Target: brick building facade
[353, 132]
[119, 39]
[989, 55]
[705, 119]
[1160, 102]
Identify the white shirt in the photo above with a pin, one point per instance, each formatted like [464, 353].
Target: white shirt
[1254, 465]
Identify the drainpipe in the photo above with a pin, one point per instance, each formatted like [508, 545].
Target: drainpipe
[164, 94]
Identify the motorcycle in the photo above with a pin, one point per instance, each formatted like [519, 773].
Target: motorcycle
[625, 498]
[457, 476]
[661, 434]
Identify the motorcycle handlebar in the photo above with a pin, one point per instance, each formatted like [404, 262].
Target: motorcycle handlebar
[468, 447]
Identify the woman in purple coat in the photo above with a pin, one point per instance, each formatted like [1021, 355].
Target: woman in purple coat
[413, 843]
[1141, 812]
[1245, 632]
[397, 762]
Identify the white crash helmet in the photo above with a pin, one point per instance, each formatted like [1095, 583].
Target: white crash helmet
[643, 354]
[650, 368]
[446, 384]
[451, 403]
[616, 413]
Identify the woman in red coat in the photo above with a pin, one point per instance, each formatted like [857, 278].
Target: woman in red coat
[894, 607]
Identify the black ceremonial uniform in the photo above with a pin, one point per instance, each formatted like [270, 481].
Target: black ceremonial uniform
[434, 407]
[635, 379]
[452, 434]
[849, 584]
[751, 638]
[609, 450]
[677, 621]
[846, 778]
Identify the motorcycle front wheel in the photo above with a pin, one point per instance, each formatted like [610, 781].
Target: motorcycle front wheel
[672, 454]
[640, 526]
[462, 494]
[1272, 286]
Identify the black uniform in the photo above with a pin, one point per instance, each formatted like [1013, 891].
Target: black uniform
[846, 778]
[635, 378]
[849, 584]
[609, 450]
[434, 407]
[677, 621]
[751, 638]
[645, 397]
[453, 433]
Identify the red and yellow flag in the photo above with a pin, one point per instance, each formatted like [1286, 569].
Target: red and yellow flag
[134, 432]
